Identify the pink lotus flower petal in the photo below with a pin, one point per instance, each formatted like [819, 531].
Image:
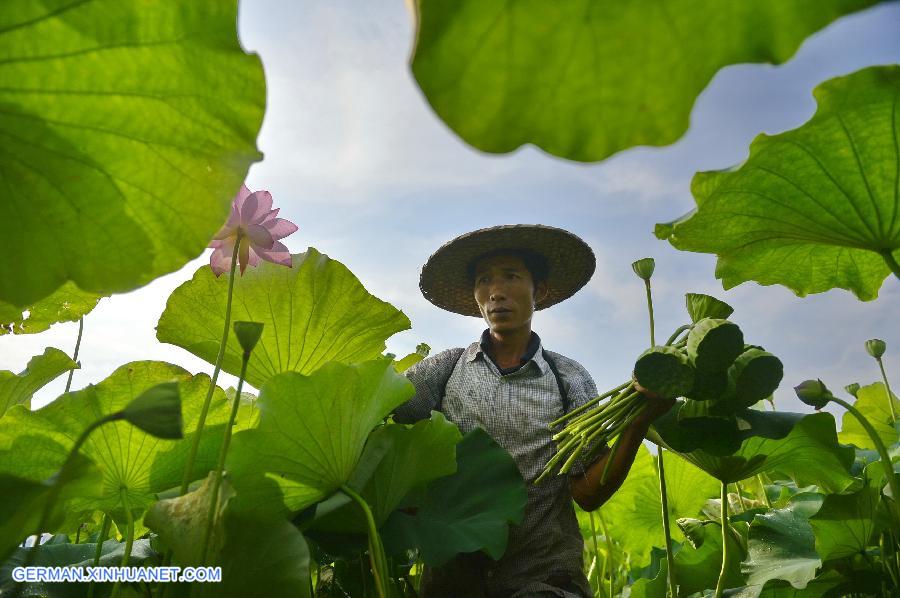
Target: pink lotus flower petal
[279, 254]
[220, 260]
[256, 207]
[244, 254]
[259, 236]
[253, 217]
[280, 228]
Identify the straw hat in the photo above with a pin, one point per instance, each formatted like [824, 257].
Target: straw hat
[446, 278]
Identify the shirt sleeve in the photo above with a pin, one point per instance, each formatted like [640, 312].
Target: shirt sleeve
[582, 389]
[429, 378]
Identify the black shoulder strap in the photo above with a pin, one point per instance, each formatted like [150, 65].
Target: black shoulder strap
[563, 395]
[566, 403]
[445, 378]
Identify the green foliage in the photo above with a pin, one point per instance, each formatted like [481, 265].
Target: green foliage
[315, 312]
[781, 544]
[844, 524]
[68, 303]
[296, 447]
[803, 447]
[633, 512]
[464, 512]
[34, 444]
[397, 459]
[17, 389]
[814, 208]
[585, 79]
[133, 125]
[871, 401]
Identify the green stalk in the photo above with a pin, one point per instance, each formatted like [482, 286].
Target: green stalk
[677, 332]
[220, 465]
[129, 537]
[615, 447]
[720, 585]
[670, 558]
[650, 309]
[104, 533]
[887, 387]
[890, 261]
[376, 550]
[737, 490]
[590, 404]
[882, 452]
[608, 413]
[764, 493]
[609, 550]
[195, 445]
[75, 356]
[597, 552]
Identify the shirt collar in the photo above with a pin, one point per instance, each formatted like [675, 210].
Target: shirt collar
[533, 352]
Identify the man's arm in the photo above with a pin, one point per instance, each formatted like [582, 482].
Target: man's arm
[586, 489]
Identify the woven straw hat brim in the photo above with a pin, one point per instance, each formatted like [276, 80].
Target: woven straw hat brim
[445, 277]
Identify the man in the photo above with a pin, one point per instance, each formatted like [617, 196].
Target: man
[509, 385]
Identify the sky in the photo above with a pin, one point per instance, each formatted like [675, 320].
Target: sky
[356, 157]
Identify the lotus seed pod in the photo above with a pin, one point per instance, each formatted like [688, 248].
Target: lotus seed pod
[644, 267]
[248, 334]
[713, 344]
[813, 393]
[701, 306]
[852, 389]
[876, 347]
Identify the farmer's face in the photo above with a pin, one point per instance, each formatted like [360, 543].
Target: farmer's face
[505, 292]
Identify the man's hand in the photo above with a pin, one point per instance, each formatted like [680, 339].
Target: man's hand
[656, 405]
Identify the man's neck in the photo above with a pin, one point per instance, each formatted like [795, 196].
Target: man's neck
[506, 348]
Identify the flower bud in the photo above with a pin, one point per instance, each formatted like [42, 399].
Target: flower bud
[248, 334]
[644, 267]
[876, 347]
[852, 389]
[157, 411]
[813, 393]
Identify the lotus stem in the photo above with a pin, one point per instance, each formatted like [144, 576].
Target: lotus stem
[664, 500]
[737, 490]
[677, 332]
[720, 584]
[590, 404]
[597, 552]
[650, 310]
[75, 355]
[220, 465]
[201, 422]
[104, 532]
[376, 550]
[763, 488]
[887, 388]
[129, 536]
[609, 550]
[882, 452]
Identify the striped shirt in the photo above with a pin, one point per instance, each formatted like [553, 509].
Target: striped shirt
[515, 409]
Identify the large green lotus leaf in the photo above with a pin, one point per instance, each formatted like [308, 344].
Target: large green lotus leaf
[781, 544]
[311, 432]
[464, 512]
[17, 389]
[315, 312]
[871, 401]
[584, 79]
[828, 583]
[127, 129]
[634, 512]
[263, 557]
[845, 522]
[34, 444]
[397, 459]
[68, 303]
[23, 500]
[814, 208]
[696, 568]
[809, 454]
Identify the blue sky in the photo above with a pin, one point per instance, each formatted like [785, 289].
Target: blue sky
[355, 156]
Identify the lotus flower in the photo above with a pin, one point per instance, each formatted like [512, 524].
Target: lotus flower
[253, 218]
